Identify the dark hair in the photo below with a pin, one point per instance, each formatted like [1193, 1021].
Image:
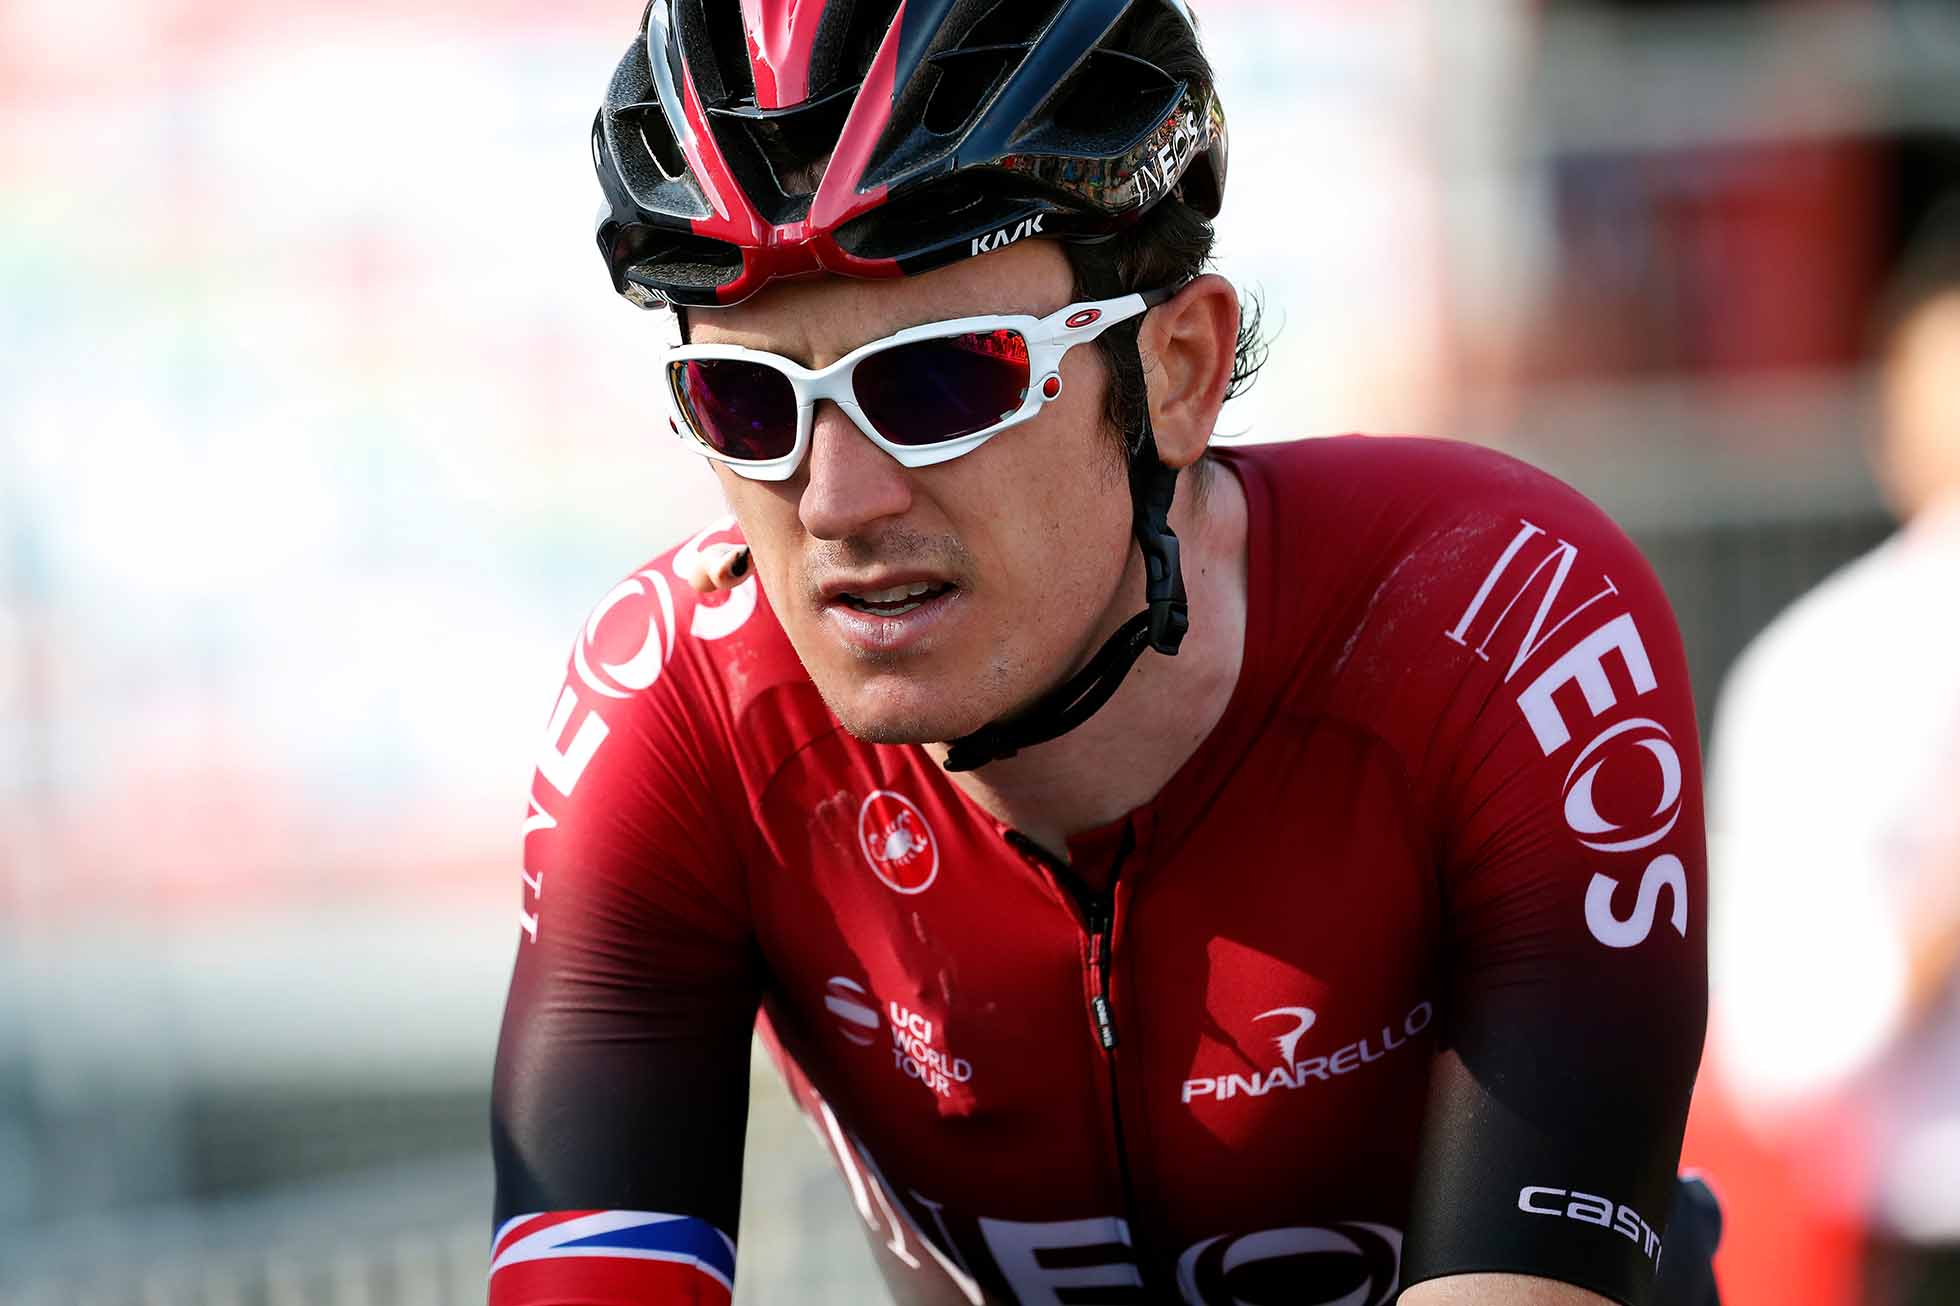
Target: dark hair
[1929, 270]
[1168, 246]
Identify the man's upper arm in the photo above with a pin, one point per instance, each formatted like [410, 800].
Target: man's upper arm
[621, 1084]
[1561, 770]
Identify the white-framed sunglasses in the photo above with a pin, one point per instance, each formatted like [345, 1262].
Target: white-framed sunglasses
[924, 395]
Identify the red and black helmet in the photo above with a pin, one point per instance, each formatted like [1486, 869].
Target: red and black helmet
[748, 140]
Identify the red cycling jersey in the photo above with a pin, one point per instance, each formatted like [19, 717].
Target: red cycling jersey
[1400, 976]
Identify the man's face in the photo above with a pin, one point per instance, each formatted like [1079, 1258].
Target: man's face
[1024, 540]
[1919, 458]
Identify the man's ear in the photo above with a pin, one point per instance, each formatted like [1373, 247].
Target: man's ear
[1187, 344]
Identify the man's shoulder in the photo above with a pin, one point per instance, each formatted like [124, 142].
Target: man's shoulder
[654, 653]
[1386, 523]
[1403, 576]
[1366, 474]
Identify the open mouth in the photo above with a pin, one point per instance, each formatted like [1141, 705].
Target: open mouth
[896, 601]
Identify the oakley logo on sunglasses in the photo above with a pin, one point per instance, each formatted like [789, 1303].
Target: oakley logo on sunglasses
[1084, 318]
[1008, 235]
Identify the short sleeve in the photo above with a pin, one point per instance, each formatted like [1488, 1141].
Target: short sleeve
[1560, 772]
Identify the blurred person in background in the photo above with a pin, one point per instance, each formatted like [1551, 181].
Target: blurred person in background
[1353, 954]
[1835, 782]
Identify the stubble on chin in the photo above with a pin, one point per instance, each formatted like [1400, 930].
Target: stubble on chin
[928, 715]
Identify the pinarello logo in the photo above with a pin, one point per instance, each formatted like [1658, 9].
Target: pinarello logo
[1084, 318]
[895, 840]
[857, 1019]
[1350, 1264]
[1289, 1042]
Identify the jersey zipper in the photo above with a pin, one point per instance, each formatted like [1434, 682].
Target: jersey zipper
[1098, 908]
[1099, 913]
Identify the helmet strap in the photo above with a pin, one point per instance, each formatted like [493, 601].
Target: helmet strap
[1160, 626]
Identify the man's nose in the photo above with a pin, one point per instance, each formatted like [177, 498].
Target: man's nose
[851, 482]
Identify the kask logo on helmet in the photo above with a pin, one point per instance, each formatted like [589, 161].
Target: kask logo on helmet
[897, 843]
[1008, 235]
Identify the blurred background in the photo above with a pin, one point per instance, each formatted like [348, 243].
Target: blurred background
[320, 431]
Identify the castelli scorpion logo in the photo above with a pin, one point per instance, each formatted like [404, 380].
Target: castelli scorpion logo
[896, 842]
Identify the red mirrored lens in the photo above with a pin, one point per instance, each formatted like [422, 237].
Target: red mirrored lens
[931, 391]
[739, 408]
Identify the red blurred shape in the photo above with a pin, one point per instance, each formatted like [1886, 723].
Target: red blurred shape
[1788, 1238]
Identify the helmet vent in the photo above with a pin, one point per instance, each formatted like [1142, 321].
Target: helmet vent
[961, 78]
[731, 44]
[965, 79]
[797, 143]
[1010, 22]
[847, 42]
[659, 258]
[648, 122]
[1109, 103]
[716, 48]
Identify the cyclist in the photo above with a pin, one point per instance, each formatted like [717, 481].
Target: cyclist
[1163, 873]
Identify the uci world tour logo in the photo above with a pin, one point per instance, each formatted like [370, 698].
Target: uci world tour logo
[897, 843]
